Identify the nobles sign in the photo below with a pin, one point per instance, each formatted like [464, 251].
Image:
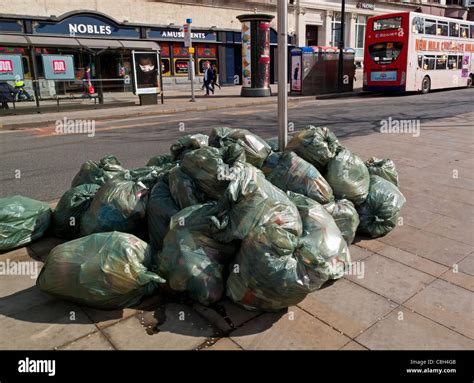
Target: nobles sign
[90, 29]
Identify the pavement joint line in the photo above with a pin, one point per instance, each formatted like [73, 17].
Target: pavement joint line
[454, 284]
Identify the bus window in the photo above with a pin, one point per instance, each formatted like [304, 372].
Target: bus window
[453, 62]
[429, 63]
[385, 53]
[453, 29]
[441, 62]
[442, 28]
[420, 61]
[389, 23]
[459, 62]
[418, 25]
[430, 27]
[472, 31]
[465, 31]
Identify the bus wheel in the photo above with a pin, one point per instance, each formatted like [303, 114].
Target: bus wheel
[426, 85]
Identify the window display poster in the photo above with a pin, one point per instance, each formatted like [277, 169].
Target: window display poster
[296, 73]
[58, 67]
[246, 55]
[147, 72]
[10, 67]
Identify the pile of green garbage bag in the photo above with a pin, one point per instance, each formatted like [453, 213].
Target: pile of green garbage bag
[316, 145]
[346, 217]
[22, 221]
[379, 213]
[67, 215]
[105, 270]
[220, 215]
[98, 172]
[384, 168]
[348, 177]
[295, 174]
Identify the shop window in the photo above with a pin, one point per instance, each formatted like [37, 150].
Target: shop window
[311, 35]
[201, 64]
[418, 25]
[165, 66]
[442, 29]
[336, 30]
[360, 26]
[441, 62]
[430, 27]
[453, 29]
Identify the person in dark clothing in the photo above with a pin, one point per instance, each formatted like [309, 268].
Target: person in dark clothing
[214, 73]
[86, 81]
[208, 78]
[7, 94]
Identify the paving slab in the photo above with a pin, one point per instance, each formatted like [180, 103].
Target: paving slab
[460, 279]
[291, 330]
[413, 332]
[181, 328]
[225, 315]
[348, 307]
[447, 304]
[224, 344]
[425, 265]
[353, 346]
[391, 279]
[44, 327]
[94, 341]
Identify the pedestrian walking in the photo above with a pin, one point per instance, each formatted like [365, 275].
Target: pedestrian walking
[208, 78]
[215, 81]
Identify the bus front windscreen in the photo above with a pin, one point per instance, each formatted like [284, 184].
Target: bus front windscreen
[385, 53]
[386, 24]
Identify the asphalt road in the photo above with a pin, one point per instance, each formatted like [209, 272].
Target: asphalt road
[47, 162]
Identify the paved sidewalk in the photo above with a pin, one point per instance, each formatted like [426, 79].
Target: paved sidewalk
[416, 292]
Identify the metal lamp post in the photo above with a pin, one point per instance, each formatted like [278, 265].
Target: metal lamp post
[282, 74]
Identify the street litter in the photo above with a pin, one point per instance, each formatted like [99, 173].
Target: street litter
[221, 215]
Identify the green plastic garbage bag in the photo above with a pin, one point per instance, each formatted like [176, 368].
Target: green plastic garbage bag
[105, 270]
[256, 149]
[98, 172]
[379, 213]
[251, 201]
[188, 143]
[191, 260]
[160, 160]
[182, 189]
[119, 205]
[316, 145]
[265, 275]
[207, 169]
[295, 174]
[71, 207]
[384, 168]
[22, 221]
[348, 177]
[271, 162]
[346, 217]
[275, 269]
[160, 208]
[149, 175]
[322, 248]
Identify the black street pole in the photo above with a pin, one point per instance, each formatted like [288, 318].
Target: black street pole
[340, 78]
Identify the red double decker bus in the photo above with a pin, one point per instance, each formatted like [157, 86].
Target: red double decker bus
[411, 51]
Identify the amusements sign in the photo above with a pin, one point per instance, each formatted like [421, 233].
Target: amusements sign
[58, 67]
